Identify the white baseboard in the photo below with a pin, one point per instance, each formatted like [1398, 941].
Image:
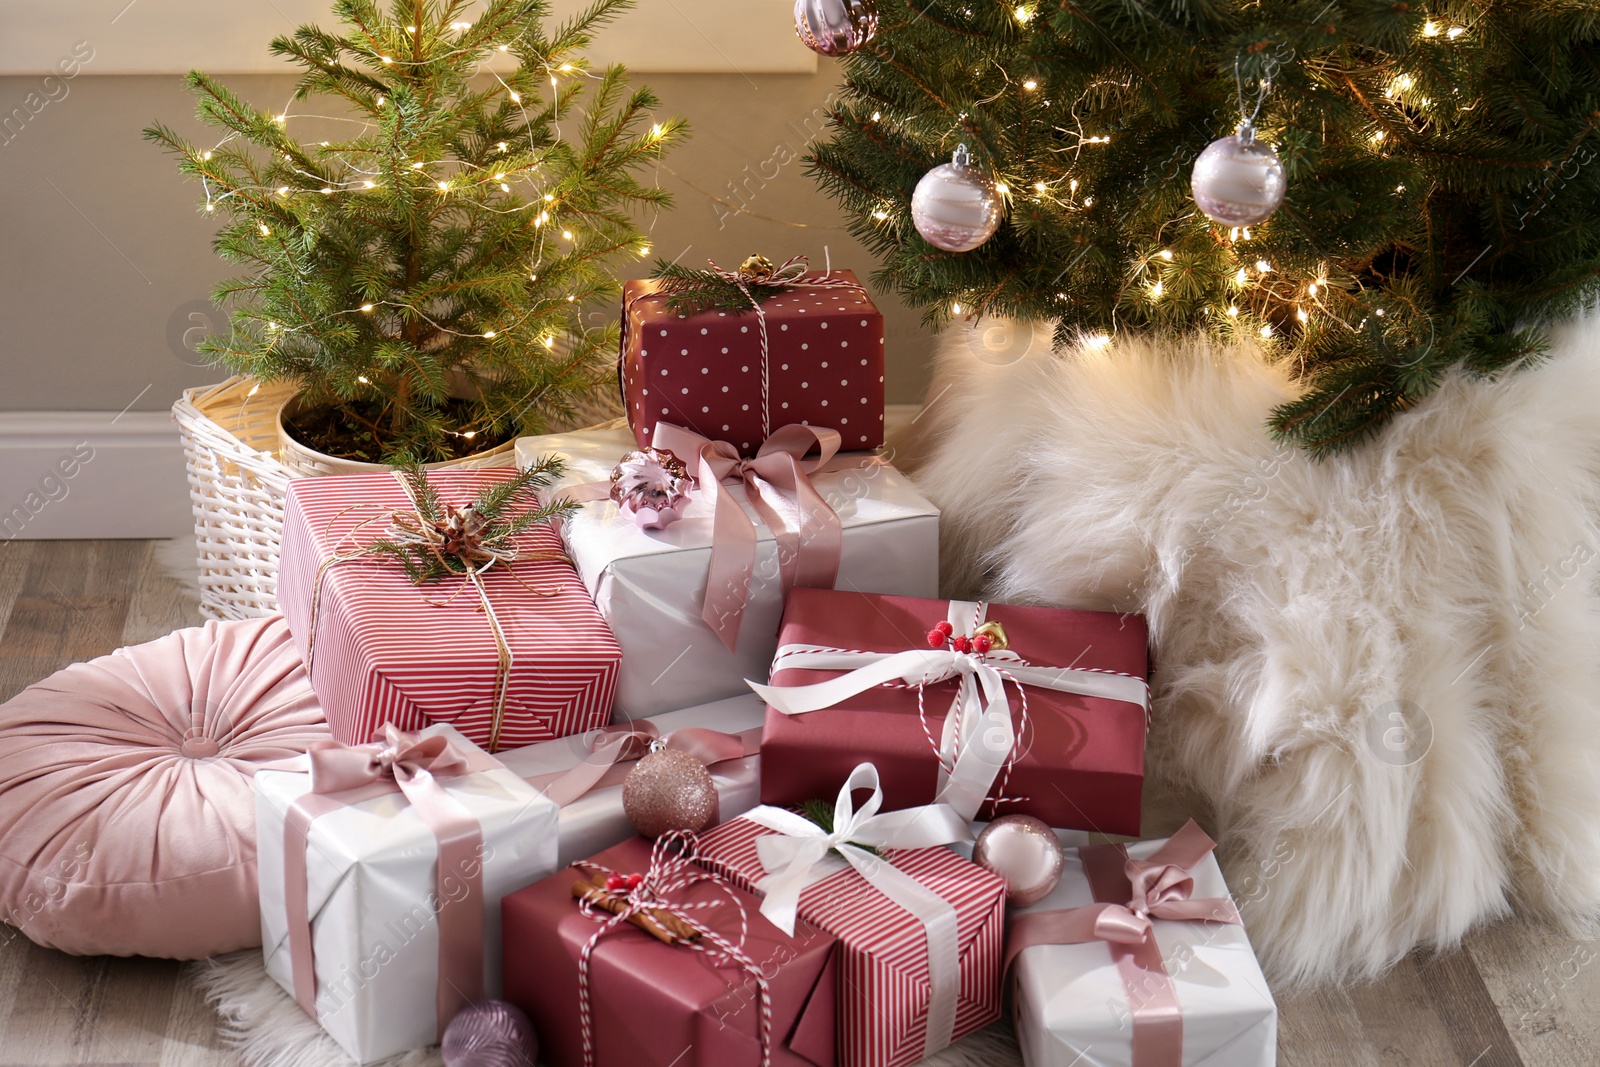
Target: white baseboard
[82, 474]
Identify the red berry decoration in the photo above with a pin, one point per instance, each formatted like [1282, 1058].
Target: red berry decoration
[981, 644]
[616, 882]
[635, 881]
[961, 644]
[935, 639]
[945, 628]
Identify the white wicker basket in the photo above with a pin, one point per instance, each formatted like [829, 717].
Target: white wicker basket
[236, 487]
[237, 479]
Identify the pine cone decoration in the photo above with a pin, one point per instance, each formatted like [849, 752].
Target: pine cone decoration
[653, 486]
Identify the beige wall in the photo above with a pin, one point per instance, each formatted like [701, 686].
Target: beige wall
[105, 257]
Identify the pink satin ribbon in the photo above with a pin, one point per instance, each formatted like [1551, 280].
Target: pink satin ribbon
[612, 747]
[777, 483]
[344, 775]
[1156, 888]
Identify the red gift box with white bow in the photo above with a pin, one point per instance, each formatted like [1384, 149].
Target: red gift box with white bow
[1044, 716]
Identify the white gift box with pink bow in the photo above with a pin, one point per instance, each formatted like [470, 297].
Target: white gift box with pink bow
[1161, 975]
[651, 585]
[592, 816]
[381, 871]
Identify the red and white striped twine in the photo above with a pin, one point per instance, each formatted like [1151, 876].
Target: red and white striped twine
[788, 276]
[1023, 723]
[671, 871]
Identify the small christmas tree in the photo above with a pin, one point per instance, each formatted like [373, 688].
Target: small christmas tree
[421, 279]
[1441, 199]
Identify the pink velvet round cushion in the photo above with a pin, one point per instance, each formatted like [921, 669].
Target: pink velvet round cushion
[127, 819]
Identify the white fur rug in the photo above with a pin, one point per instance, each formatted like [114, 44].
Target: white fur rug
[268, 1029]
[1376, 676]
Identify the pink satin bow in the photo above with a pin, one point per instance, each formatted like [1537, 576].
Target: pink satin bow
[1160, 887]
[778, 485]
[406, 758]
[343, 774]
[616, 745]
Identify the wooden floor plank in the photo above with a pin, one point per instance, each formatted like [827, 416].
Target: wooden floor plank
[192, 1038]
[1471, 1020]
[1547, 990]
[1322, 1029]
[160, 601]
[54, 1015]
[71, 607]
[1401, 1023]
[15, 556]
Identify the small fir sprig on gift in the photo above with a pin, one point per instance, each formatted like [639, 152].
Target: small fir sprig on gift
[439, 541]
[690, 291]
[821, 813]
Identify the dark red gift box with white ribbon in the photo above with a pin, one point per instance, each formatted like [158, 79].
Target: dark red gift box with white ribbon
[1049, 720]
[823, 366]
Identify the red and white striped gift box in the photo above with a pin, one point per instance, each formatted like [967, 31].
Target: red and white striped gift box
[389, 651]
[884, 989]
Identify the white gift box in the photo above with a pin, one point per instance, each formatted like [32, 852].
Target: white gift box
[371, 868]
[595, 821]
[650, 585]
[1071, 1006]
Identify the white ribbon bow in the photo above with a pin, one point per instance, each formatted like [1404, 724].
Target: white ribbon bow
[799, 846]
[978, 736]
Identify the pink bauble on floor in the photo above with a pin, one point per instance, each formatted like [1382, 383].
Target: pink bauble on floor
[127, 820]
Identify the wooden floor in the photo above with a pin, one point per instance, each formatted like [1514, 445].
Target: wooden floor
[1514, 995]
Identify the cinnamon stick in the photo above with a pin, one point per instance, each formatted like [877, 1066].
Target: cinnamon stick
[660, 925]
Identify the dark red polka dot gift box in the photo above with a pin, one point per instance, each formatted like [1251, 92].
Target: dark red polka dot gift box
[823, 364]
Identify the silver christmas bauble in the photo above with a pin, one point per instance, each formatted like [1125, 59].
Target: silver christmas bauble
[1238, 181]
[1025, 852]
[956, 206]
[835, 27]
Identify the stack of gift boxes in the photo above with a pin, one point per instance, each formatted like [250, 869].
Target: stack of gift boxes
[466, 836]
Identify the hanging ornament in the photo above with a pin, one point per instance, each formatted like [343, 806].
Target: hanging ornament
[651, 485]
[1238, 181]
[835, 27]
[669, 790]
[1025, 852]
[956, 206]
[490, 1033]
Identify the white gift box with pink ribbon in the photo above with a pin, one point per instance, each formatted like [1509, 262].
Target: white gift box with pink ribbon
[381, 871]
[725, 736]
[1105, 980]
[652, 585]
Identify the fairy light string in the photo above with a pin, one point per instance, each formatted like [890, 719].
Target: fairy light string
[1308, 291]
[511, 178]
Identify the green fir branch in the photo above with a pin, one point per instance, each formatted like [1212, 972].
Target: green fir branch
[370, 288]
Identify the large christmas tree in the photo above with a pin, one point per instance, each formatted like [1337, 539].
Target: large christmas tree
[421, 274]
[1441, 198]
